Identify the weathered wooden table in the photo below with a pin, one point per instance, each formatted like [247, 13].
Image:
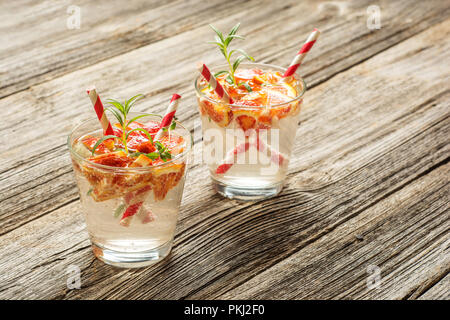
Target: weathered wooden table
[365, 211]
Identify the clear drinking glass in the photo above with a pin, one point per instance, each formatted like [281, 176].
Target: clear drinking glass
[154, 193]
[248, 165]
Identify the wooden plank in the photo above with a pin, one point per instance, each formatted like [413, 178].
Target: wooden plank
[33, 186]
[439, 291]
[107, 29]
[53, 50]
[400, 237]
[370, 154]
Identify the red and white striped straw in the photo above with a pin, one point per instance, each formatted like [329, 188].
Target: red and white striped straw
[100, 111]
[168, 117]
[302, 54]
[223, 95]
[134, 201]
[230, 157]
[139, 195]
[275, 156]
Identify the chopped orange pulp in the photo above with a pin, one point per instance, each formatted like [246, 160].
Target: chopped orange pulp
[107, 152]
[267, 89]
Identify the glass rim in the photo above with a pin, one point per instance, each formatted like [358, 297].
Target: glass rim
[297, 98]
[134, 169]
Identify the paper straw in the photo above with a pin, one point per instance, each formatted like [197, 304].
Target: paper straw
[223, 95]
[302, 54]
[134, 202]
[129, 213]
[168, 117]
[100, 111]
[275, 156]
[229, 159]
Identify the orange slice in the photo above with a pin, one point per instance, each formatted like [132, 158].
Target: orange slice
[165, 178]
[113, 159]
[245, 118]
[104, 147]
[247, 74]
[278, 95]
[152, 127]
[146, 147]
[273, 77]
[219, 113]
[141, 161]
[259, 79]
[264, 119]
[174, 143]
[171, 168]
[246, 122]
[255, 98]
[136, 138]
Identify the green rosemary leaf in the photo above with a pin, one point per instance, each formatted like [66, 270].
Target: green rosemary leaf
[227, 42]
[116, 114]
[219, 34]
[237, 63]
[235, 36]
[116, 104]
[234, 29]
[223, 47]
[246, 85]
[232, 35]
[165, 156]
[224, 52]
[90, 191]
[220, 44]
[245, 54]
[99, 142]
[129, 103]
[153, 155]
[159, 146]
[135, 154]
[119, 210]
[219, 73]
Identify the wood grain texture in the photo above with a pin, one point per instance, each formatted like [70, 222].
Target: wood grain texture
[390, 235]
[107, 29]
[369, 185]
[438, 291]
[59, 103]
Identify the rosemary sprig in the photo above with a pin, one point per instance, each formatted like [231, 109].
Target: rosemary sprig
[120, 112]
[223, 42]
[161, 152]
[164, 153]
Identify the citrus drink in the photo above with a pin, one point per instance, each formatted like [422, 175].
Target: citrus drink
[130, 196]
[247, 144]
